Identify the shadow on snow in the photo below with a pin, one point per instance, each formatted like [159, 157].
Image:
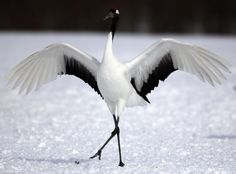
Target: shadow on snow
[226, 136]
[55, 161]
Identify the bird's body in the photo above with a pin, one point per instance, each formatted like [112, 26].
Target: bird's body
[120, 84]
[113, 79]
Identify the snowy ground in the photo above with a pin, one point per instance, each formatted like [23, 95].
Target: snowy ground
[189, 127]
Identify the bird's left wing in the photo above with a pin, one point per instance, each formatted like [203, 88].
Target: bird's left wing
[161, 59]
[45, 65]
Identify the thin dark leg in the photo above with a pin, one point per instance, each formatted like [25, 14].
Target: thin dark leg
[113, 133]
[116, 131]
[99, 152]
[121, 164]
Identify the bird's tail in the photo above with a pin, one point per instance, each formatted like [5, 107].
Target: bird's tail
[135, 100]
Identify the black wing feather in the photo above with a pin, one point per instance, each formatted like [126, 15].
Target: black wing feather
[161, 72]
[74, 67]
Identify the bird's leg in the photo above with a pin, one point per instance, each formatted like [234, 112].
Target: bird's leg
[116, 131]
[99, 152]
[116, 121]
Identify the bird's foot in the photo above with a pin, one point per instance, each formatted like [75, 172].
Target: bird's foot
[99, 153]
[121, 164]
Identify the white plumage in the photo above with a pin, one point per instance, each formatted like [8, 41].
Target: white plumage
[45, 65]
[189, 58]
[119, 84]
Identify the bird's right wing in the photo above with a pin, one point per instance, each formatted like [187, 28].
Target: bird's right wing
[44, 66]
[161, 59]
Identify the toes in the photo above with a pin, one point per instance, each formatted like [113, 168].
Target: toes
[99, 154]
[121, 164]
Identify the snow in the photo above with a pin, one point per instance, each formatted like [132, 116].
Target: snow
[189, 127]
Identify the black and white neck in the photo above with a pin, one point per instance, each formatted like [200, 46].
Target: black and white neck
[108, 53]
[114, 16]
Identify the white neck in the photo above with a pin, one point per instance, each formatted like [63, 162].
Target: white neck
[108, 53]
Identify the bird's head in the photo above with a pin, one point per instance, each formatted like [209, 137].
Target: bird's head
[112, 14]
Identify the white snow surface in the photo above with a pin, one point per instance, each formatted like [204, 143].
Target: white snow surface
[189, 127]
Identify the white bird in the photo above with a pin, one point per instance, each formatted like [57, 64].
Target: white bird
[119, 84]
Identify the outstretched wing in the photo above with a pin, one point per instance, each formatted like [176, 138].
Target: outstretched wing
[161, 59]
[56, 59]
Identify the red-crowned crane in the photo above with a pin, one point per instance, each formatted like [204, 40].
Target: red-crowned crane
[119, 84]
